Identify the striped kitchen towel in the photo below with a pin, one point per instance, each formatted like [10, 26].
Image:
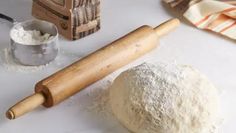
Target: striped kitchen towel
[215, 15]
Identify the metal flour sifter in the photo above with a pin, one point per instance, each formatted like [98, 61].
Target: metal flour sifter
[35, 54]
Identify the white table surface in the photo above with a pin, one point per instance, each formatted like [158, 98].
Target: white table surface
[211, 54]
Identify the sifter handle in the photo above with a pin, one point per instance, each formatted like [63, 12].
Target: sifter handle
[2, 16]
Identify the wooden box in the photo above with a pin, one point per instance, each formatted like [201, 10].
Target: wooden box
[74, 18]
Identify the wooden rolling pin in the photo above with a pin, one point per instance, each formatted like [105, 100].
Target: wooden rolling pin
[95, 66]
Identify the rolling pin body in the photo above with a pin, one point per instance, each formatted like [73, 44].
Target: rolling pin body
[90, 69]
[77, 76]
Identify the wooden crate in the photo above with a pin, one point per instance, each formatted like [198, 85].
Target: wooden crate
[74, 18]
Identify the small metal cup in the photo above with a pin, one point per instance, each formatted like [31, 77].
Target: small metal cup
[39, 54]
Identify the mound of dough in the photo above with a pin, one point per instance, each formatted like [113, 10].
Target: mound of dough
[164, 98]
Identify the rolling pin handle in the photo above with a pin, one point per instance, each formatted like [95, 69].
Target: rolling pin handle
[167, 27]
[26, 105]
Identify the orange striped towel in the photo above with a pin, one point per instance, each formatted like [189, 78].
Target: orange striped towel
[215, 15]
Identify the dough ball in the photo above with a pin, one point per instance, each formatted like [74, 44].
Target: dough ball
[164, 98]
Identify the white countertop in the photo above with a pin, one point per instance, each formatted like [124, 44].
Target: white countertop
[213, 55]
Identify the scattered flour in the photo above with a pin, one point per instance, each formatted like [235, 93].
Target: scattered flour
[9, 63]
[63, 59]
[29, 37]
[100, 100]
[165, 98]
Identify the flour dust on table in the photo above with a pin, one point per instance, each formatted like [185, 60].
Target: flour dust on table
[7, 61]
[100, 100]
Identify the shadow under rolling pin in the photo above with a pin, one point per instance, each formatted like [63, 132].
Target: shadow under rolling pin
[95, 66]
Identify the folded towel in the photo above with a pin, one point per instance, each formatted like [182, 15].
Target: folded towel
[215, 15]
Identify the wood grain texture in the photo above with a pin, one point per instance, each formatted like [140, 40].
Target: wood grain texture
[73, 20]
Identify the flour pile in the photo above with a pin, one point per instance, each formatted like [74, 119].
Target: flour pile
[29, 37]
[165, 99]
